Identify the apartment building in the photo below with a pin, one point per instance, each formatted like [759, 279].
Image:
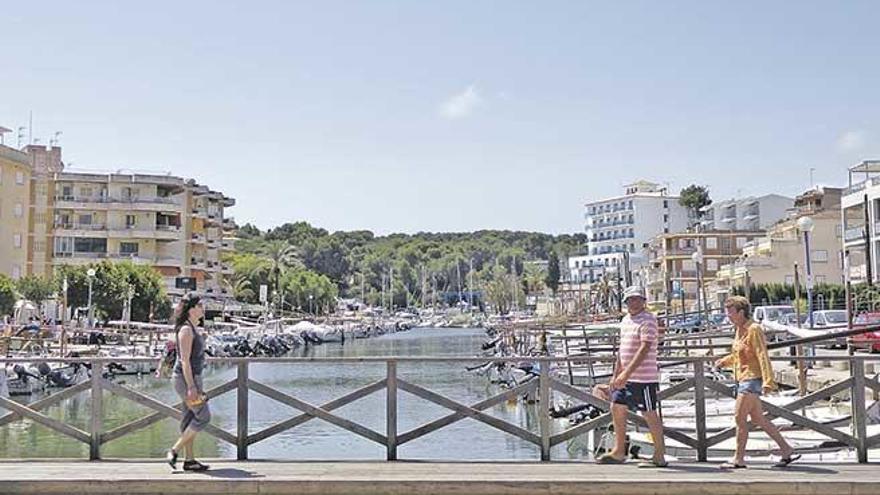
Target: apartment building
[860, 212]
[772, 258]
[671, 274]
[752, 213]
[15, 197]
[625, 224]
[175, 225]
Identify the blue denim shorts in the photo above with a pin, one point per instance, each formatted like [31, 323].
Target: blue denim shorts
[754, 386]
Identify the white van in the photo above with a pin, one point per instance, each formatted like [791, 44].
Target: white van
[770, 313]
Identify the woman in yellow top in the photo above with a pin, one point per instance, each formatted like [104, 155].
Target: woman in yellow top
[754, 375]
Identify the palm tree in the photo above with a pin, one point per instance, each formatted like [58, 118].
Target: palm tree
[282, 256]
[239, 286]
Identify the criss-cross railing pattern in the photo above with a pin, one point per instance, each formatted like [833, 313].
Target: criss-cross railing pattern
[544, 385]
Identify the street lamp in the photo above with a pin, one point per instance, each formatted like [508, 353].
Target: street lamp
[697, 258]
[311, 297]
[91, 273]
[806, 224]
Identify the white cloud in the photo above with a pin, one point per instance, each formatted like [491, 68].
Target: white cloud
[851, 141]
[461, 104]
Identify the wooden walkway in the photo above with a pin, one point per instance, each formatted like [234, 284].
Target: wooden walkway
[423, 478]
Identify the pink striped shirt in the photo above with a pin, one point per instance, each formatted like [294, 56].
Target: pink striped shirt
[633, 331]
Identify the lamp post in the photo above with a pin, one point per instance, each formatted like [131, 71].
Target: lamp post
[91, 273]
[806, 224]
[697, 258]
[311, 298]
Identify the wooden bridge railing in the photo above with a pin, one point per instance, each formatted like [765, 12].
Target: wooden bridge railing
[544, 385]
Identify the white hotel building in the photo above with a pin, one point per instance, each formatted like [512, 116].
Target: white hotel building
[625, 224]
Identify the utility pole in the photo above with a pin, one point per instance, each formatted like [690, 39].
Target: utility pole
[391, 289]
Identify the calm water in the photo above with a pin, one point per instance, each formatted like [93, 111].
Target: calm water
[315, 383]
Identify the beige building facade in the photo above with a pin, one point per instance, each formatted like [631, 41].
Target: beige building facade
[772, 258]
[54, 217]
[671, 276]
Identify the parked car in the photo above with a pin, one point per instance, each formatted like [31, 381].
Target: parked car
[771, 313]
[831, 318]
[792, 319]
[868, 340]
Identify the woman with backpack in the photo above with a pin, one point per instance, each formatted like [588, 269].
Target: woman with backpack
[187, 378]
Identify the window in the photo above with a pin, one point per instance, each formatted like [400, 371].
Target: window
[682, 243]
[128, 248]
[740, 242]
[819, 279]
[789, 280]
[39, 246]
[577, 264]
[16, 240]
[63, 245]
[711, 243]
[85, 192]
[666, 203]
[89, 245]
[130, 221]
[630, 204]
[688, 265]
[85, 219]
[16, 271]
[712, 265]
[40, 217]
[665, 218]
[820, 256]
[19, 210]
[632, 248]
[67, 192]
[19, 177]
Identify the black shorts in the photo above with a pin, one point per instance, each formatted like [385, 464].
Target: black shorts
[637, 396]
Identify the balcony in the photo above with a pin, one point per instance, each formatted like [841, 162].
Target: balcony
[138, 232]
[152, 203]
[854, 234]
[198, 239]
[82, 227]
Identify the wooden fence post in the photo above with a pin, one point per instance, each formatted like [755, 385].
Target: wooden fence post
[700, 411]
[858, 408]
[241, 442]
[97, 414]
[544, 408]
[391, 411]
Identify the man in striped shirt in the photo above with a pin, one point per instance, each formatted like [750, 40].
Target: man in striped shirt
[636, 379]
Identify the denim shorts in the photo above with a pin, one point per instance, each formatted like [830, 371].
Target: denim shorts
[753, 386]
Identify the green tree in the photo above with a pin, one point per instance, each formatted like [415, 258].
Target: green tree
[282, 256]
[694, 197]
[110, 288]
[306, 290]
[552, 279]
[7, 295]
[35, 288]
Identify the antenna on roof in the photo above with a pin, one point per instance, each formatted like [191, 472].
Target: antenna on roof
[20, 135]
[54, 141]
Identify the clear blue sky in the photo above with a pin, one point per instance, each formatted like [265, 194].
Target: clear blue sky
[449, 116]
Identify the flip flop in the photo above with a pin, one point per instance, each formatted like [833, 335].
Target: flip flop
[785, 461]
[653, 464]
[731, 465]
[609, 459]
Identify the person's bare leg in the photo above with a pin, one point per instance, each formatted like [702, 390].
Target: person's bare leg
[758, 418]
[741, 414]
[655, 425]
[185, 439]
[618, 415]
[189, 455]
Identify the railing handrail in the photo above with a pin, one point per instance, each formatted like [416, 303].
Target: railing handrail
[423, 359]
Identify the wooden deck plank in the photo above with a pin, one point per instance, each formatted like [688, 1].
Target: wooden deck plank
[556, 478]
